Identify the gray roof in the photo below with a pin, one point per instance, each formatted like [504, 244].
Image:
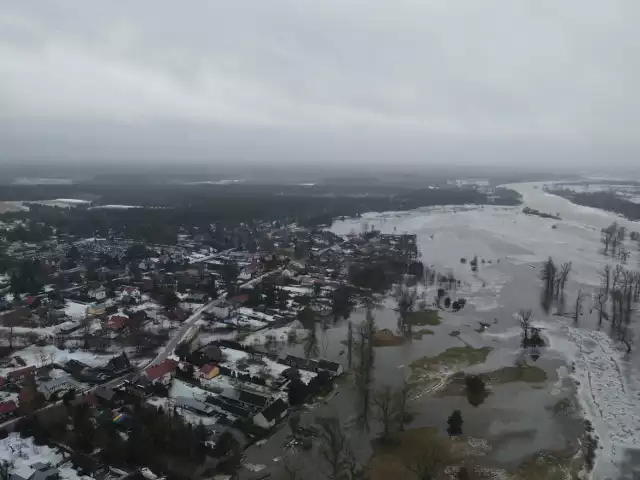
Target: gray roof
[274, 410]
[49, 474]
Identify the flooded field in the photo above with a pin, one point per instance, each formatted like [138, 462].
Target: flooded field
[531, 422]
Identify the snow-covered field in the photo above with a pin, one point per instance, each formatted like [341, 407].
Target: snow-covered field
[609, 383]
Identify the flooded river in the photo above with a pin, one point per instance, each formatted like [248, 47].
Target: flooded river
[520, 418]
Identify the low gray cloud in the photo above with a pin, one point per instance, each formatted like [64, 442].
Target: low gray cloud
[345, 81]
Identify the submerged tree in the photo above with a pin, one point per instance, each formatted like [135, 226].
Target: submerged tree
[385, 413]
[401, 401]
[578, 306]
[525, 323]
[364, 374]
[455, 423]
[548, 276]
[563, 276]
[349, 344]
[334, 446]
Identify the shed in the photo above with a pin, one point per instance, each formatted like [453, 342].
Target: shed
[209, 371]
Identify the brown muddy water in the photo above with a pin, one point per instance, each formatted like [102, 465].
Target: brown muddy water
[515, 422]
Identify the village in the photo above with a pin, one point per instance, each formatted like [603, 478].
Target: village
[111, 345]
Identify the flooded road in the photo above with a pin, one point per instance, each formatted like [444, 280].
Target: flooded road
[519, 419]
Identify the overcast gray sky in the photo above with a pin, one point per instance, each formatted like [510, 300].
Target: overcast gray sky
[334, 80]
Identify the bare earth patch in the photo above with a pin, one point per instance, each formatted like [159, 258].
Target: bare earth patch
[454, 358]
[424, 318]
[386, 338]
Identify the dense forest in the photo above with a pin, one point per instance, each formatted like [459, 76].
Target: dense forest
[609, 201]
[197, 207]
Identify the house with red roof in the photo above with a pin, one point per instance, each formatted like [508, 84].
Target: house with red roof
[117, 322]
[7, 410]
[162, 372]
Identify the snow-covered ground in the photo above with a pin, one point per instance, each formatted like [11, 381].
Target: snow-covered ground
[24, 453]
[609, 385]
[40, 356]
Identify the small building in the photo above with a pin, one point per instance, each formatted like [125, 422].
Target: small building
[96, 309]
[271, 415]
[44, 471]
[209, 371]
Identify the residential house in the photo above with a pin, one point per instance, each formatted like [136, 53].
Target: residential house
[137, 389]
[162, 372]
[117, 322]
[99, 293]
[209, 371]
[119, 364]
[178, 314]
[104, 395]
[333, 368]
[271, 415]
[20, 374]
[51, 387]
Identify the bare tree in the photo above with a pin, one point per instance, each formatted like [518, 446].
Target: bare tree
[626, 336]
[621, 233]
[292, 470]
[563, 275]
[85, 327]
[628, 278]
[623, 254]
[615, 241]
[406, 299]
[617, 275]
[349, 343]
[5, 469]
[605, 238]
[427, 466]
[525, 323]
[385, 413]
[10, 323]
[401, 400]
[606, 278]
[334, 448]
[548, 275]
[601, 304]
[578, 306]
[365, 367]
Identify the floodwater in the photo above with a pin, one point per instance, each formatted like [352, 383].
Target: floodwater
[518, 420]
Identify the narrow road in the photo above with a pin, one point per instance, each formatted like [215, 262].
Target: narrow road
[184, 328]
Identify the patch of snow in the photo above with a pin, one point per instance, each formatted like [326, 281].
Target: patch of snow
[75, 310]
